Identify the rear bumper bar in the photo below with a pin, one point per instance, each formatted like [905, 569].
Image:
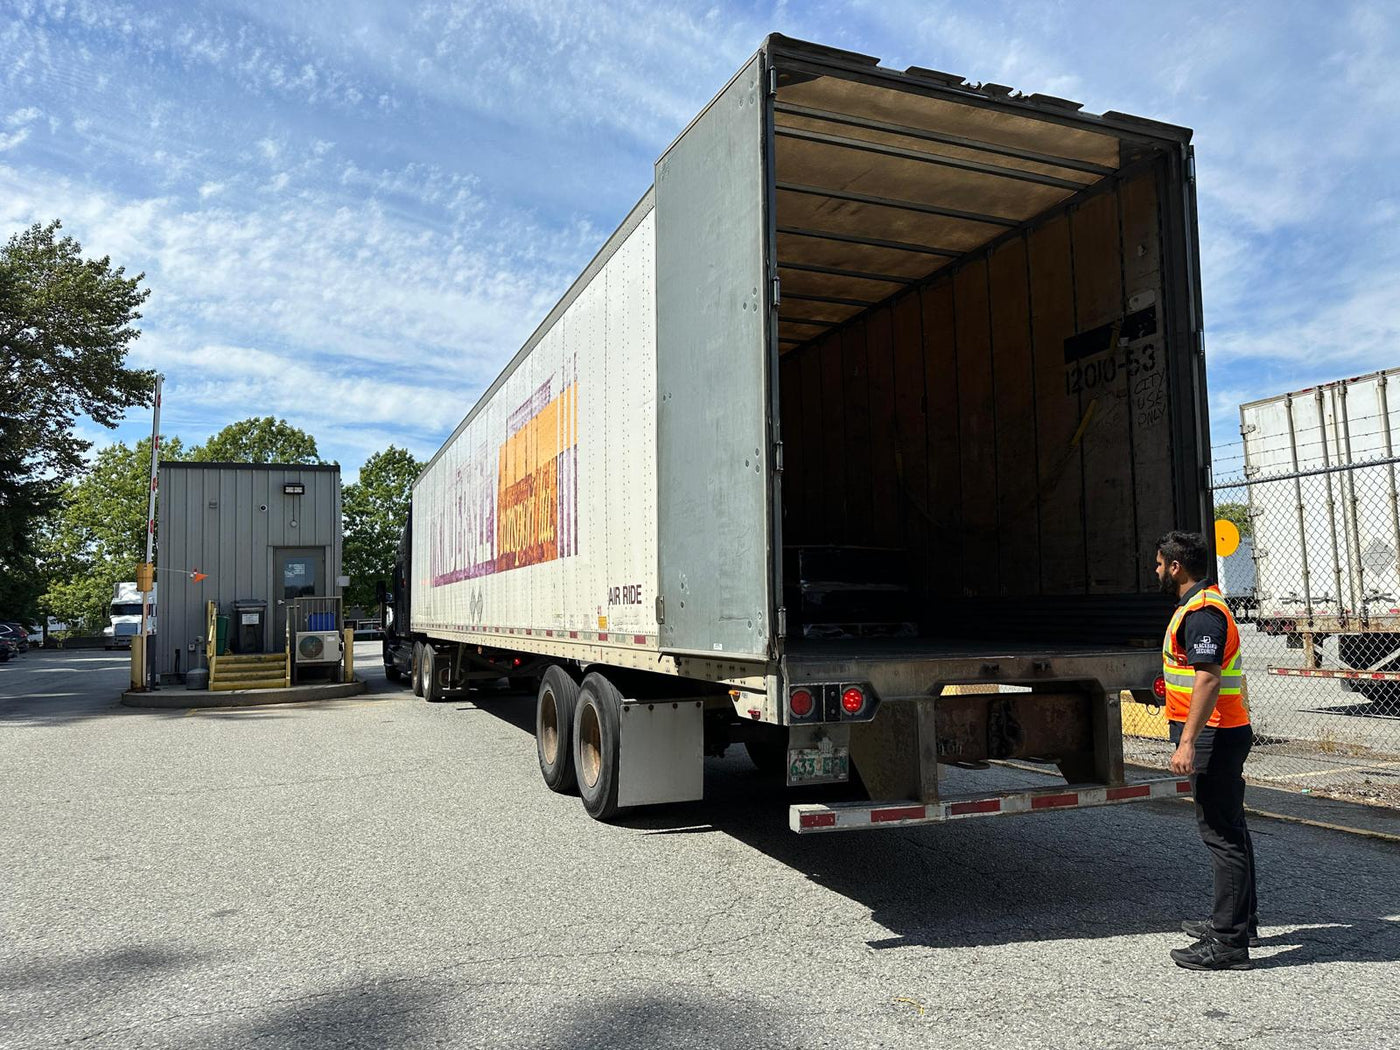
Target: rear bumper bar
[807, 819]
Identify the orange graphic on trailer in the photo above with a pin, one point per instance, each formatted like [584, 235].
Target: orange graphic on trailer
[537, 483]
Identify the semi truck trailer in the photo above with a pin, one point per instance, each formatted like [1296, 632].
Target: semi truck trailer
[851, 445]
[124, 615]
[1320, 470]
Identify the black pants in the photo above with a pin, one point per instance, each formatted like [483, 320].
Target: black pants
[1218, 785]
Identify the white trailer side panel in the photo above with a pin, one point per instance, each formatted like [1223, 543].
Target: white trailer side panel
[1340, 553]
[539, 516]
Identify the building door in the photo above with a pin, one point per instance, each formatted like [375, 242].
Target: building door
[297, 573]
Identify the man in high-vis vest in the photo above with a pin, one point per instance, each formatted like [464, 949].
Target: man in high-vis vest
[1208, 715]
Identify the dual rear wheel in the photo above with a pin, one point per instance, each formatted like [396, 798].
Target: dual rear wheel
[577, 737]
[431, 673]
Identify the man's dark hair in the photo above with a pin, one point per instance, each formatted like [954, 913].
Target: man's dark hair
[1190, 549]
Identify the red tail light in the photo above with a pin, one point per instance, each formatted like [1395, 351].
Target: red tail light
[517, 662]
[852, 700]
[801, 703]
[1159, 688]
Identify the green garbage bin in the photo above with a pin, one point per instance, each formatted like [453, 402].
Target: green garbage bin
[221, 635]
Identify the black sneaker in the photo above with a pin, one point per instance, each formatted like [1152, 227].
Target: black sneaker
[1212, 955]
[1203, 930]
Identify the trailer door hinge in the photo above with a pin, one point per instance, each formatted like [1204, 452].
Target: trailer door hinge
[777, 291]
[660, 609]
[772, 80]
[782, 623]
[777, 457]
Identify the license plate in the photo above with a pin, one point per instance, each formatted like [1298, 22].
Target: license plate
[814, 765]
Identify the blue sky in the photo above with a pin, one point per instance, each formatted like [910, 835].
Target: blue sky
[352, 214]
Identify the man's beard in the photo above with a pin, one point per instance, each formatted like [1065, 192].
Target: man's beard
[1168, 586]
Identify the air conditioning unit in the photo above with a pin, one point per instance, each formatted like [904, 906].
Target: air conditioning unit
[318, 647]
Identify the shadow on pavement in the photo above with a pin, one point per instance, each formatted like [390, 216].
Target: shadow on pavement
[120, 965]
[1080, 874]
[1359, 940]
[510, 706]
[432, 1011]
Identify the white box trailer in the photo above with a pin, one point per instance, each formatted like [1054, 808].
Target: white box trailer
[852, 444]
[1320, 467]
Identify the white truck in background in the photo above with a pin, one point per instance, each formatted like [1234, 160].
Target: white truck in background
[124, 616]
[1238, 581]
[1320, 467]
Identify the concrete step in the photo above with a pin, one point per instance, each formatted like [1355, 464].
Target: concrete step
[227, 686]
[243, 676]
[237, 659]
[247, 674]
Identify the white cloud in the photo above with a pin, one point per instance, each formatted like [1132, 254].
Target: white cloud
[316, 391]
[1357, 332]
[332, 298]
[8, 142]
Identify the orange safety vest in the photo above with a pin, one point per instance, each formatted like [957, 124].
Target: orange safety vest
[1232, 708]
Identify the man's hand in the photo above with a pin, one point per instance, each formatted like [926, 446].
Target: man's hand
[1184, 759]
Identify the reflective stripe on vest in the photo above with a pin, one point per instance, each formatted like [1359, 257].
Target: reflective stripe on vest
[1232, 708]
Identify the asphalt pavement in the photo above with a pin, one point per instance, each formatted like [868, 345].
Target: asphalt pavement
[381, 872]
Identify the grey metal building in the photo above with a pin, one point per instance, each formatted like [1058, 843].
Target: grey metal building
[266, 532]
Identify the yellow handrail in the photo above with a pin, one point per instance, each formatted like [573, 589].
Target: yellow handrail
[211, 636]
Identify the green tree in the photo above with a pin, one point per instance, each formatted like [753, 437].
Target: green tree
[98, 533]
[1237, 513]
[66, 325]
[375, 508]
[258, 440]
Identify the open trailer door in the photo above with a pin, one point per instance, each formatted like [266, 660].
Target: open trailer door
[714, 449]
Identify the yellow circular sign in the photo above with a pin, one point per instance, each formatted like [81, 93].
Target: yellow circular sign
[1227, 537]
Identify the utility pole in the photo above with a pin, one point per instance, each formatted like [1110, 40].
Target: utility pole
[147, 575]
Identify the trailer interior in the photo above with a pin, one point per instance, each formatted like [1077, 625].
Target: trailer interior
[986, 360]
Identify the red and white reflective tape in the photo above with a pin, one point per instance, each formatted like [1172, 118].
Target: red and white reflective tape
[804, 819]
[1324, 672]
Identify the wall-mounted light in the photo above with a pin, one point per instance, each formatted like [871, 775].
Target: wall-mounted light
[294, 488]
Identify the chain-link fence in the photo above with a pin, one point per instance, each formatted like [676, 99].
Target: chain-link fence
[1315, 588]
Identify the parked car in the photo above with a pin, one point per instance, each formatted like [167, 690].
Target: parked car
[17, 635]
[32, 636]
[7, 648]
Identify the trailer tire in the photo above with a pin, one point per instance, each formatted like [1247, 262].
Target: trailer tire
[417, 671]
[769, 757]
[596, 738]
[434, 673]
[555, 707]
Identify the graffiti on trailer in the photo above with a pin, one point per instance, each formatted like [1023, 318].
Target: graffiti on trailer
[516, 504]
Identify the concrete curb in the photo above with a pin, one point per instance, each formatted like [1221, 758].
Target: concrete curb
[1317, 811]
[297, 694]
[1353, 818]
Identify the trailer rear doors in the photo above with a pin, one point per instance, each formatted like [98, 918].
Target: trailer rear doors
[713, 306]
